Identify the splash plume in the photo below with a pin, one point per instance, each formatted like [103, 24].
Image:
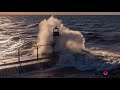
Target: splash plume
[70, 41]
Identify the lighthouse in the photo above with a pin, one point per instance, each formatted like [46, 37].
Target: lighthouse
[56, 41]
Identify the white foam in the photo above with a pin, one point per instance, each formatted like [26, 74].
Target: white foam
[70, 40]
[72, 48]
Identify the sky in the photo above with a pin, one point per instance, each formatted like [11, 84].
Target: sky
[59, 13]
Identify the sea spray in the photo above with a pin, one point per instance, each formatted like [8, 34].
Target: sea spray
[72, 47]
[70, 41]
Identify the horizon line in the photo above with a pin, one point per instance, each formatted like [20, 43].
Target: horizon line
[59, 13]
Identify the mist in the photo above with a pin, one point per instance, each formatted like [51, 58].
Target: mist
[71, 41]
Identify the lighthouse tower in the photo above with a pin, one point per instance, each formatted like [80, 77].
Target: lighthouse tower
[55, 43]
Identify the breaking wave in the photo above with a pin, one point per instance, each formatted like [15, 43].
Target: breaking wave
[72, 48]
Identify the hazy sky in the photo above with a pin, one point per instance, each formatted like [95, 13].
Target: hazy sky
[59, 13]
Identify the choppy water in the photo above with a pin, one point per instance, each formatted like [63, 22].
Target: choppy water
[102, 36]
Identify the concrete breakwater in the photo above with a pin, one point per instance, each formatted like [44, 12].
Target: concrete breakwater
[27, 66]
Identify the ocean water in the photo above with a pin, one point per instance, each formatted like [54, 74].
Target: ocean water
[101, 33]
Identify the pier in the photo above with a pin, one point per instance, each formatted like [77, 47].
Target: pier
[26, 66]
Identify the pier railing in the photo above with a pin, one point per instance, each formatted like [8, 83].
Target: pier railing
[23, 66]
